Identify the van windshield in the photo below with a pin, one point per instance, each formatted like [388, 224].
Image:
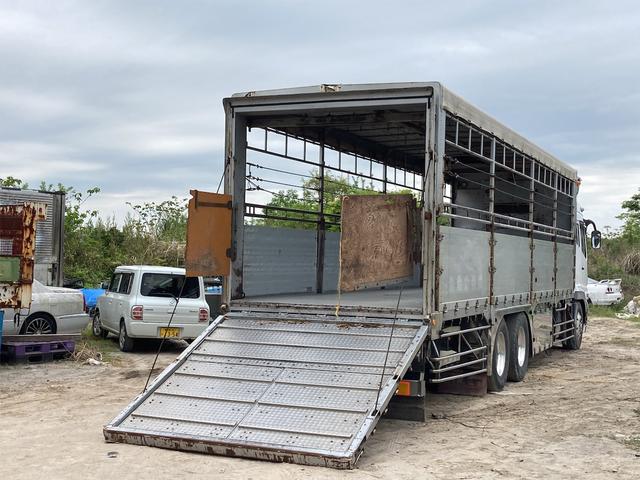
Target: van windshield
[168, 285]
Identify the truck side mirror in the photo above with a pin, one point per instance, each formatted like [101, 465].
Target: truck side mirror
[596, 239]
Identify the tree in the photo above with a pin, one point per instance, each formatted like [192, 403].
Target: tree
[334, 189]
[631, 219]
[13, 182]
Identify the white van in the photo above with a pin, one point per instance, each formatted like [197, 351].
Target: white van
[140, 300]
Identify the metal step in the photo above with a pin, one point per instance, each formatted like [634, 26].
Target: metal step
[467, 359]
[305, 389]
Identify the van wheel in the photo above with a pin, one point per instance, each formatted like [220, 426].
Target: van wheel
[578, 327]
[125, 342]
[499, 358]
[96, 326]
[519, 341]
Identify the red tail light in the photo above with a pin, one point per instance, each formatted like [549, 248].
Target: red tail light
[203, 315]
[136, 312]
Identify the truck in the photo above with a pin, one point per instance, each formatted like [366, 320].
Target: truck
[49, 253]
[418, 245]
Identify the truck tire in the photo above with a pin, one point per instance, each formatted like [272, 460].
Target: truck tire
[499, 358]
[578, 325]
[125, 342]
[519, 342]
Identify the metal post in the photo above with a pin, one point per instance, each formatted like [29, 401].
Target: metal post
[1, 325]
[555, 238]
[492, 226]
[532, 269]
[320, 232]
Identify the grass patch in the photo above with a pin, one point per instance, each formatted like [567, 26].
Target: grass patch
[106, 346]
[633, 442]
[603, 311]
[623, 342]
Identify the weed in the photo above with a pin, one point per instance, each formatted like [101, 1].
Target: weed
[105, 346]
[633, 442]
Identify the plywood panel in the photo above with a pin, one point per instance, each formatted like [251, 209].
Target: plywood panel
[377, 244]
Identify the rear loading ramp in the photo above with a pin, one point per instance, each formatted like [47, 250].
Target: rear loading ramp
[294, 388]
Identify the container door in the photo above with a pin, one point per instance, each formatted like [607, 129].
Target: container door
[208, 234]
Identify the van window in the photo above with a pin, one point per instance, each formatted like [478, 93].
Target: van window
[115, 282]
[168, 285]
[125, 283]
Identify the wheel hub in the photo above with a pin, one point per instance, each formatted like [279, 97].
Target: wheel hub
[501, 353]
[522, 346]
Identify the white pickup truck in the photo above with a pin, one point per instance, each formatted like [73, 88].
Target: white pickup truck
[151, 302]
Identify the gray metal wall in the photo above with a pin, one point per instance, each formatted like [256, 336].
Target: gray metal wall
[279, 260]
[464, 260]
[283, 260]
[49, 233]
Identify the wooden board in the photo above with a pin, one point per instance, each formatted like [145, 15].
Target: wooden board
[378, 240]
[208, 234]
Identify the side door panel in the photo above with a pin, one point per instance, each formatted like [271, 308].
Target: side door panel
[107, 312]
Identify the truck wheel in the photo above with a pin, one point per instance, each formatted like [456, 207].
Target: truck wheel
[578, 326]
[519, 352]
[125, 342]
[499, 358]
[96, 326]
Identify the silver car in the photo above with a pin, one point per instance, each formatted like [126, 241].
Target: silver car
[53, 310]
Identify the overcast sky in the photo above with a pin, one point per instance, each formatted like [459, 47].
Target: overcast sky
[127, 95]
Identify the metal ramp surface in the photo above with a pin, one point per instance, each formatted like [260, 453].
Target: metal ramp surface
[298, 388]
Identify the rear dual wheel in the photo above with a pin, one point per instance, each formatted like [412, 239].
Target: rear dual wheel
[510, 353]
[499, 358]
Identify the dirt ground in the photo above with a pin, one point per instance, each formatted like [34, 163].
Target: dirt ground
[576, 415]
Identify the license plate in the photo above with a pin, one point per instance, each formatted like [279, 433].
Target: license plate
[169, 332]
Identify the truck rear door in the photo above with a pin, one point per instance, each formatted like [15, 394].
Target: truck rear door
[281, 386]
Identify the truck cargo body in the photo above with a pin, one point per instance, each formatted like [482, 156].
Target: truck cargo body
[385, 239]
[49, 256]
[499, 213]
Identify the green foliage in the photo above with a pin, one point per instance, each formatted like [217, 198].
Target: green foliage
[335, 187]
[619, 255]
[155, 234]
[631, 219]
[13, 182]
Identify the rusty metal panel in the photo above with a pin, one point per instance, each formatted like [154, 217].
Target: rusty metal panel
[378, 241]
[49, 249]
[208, 234]
[17, 244]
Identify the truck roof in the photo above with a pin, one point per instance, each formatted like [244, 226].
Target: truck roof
[451, 102]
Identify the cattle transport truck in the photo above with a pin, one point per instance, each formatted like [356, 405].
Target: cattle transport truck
[378, 241]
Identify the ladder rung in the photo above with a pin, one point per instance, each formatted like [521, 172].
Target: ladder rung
[474, 329]
[459, 365]
[458, 354]
[455, 377]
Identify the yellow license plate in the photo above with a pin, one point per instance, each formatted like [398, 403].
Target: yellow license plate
[169, 332]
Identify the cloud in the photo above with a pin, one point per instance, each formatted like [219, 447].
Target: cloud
[127, 95]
